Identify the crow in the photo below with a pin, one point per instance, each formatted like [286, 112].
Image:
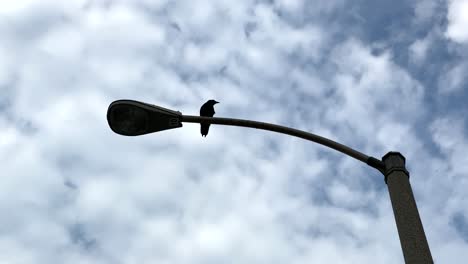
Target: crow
[207, 109]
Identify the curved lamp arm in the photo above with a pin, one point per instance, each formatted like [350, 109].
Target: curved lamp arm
[371, 161]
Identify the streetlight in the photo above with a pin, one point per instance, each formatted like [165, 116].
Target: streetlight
[133, 118]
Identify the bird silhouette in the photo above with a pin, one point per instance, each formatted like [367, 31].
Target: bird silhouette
[207, 109]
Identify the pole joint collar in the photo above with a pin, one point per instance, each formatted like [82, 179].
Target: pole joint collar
[394, 161]
[390, 170]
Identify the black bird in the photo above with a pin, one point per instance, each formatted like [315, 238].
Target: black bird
[207, 109]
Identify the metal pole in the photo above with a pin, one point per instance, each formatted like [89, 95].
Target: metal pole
[410, 229]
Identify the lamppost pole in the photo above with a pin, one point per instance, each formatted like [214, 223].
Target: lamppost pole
[133, 118]
[410, 229]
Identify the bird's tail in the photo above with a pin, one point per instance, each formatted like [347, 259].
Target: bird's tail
[204, 129]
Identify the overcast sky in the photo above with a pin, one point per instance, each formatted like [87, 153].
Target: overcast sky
[376, 75]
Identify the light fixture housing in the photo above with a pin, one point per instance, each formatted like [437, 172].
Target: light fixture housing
[134, 118]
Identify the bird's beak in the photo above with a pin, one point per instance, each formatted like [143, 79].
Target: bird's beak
[216, 102]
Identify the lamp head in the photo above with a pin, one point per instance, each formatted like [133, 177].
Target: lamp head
[133, 118]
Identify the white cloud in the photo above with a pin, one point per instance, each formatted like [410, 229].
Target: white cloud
[418, 50]
[449, 135]
[457, 21]
[290, 6]
[454, 79]
[371, 87]
[447, 175]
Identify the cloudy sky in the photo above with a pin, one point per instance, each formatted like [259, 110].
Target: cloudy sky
[375, 75]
